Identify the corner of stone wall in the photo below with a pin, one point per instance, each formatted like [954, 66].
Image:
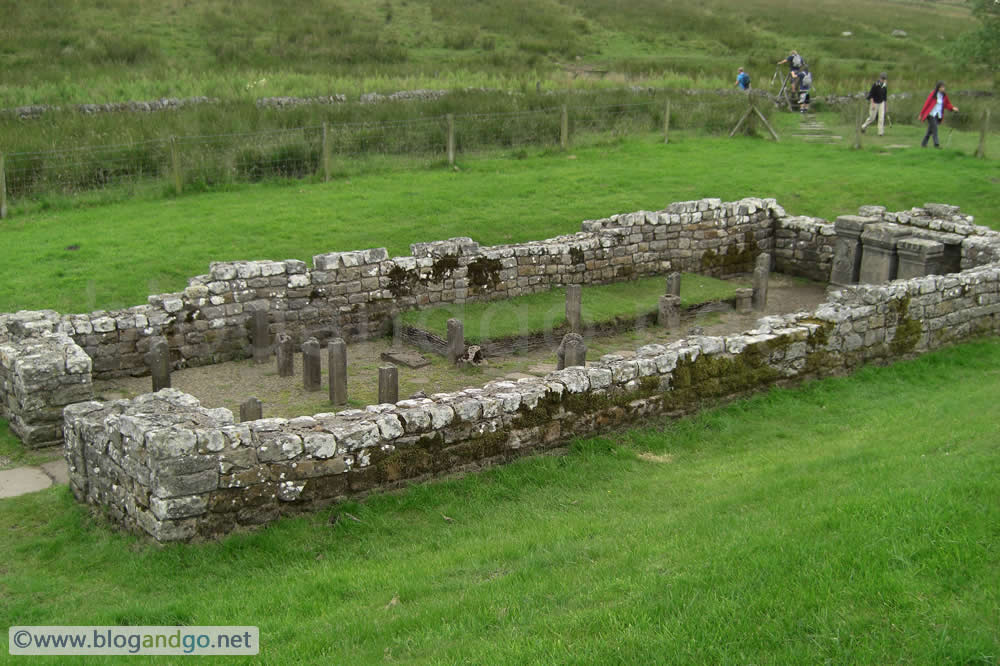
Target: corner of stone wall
[39, 376]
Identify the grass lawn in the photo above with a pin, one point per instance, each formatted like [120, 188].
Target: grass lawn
[543, 311]
[14, 454]
[854, 520]
[132, 249]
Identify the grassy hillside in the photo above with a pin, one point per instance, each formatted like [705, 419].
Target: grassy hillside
[56, 51]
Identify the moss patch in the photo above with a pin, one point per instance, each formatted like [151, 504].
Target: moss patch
[718, 375]
[443, 267]
[908, 330]
[401, 281]
[484, 273]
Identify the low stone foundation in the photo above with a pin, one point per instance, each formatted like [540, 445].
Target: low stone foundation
[163, 465]
[38, 378]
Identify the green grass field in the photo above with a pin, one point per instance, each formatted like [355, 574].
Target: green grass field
[854, 520]
[132, 249]
[143, 49]
[535, 313]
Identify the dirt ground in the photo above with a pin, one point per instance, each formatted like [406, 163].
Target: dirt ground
[229, 384]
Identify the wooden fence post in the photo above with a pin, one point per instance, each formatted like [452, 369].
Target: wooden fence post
[451, 139]
[175, 165]
[564, 128]
[326, 153]
[3, 188]
[980, 151]
[666, 123]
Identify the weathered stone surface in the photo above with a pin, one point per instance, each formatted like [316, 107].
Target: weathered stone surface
[574, 307]
[919, 257]
[285, 353]
[311, 365]
[758, 300]
[251, 410]
[337, 362]
[405, 357]
[456, 340]
[572, 351]
[261, 337]
[158, 360]
[669, 312]
[879, 260]
[673, 284]
[388, 384]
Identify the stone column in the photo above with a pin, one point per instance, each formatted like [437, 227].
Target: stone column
[919, 257]
[574, 307]
[261, 337]
[576, 353]
[763, 261]
[388, 384]
[251, 410]
[286, 355]
[572, 351]
[456, 340]
[669, 312]
[337, 352]
[158, 360]
[879, 261]
[758, 301]
[311, 365]
[397, 331]
[744, 300]
[673, 284]
[847, 249]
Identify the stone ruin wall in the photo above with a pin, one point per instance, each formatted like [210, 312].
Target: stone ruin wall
[42, 369]
[805, 246]
[346, 292]
[354, 294]
[164, 466]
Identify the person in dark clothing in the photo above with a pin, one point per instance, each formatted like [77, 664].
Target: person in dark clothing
[877, 95]
[795, 63]
[933, 112]
[804, 85]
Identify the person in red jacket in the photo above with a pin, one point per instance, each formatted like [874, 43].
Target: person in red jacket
[933, 113]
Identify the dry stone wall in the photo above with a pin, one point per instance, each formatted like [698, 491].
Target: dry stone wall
[354, 294]
[163, 465]
[38, 378]
[805, 246]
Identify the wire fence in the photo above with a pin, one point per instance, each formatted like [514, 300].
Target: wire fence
[331, 150]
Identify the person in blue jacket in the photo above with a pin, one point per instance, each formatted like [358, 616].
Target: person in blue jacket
[742, 80]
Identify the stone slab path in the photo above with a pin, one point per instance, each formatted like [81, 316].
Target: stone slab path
[22, 480]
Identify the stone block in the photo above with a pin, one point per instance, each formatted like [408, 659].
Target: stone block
[847, 249]
[879, 260]
[919, 257]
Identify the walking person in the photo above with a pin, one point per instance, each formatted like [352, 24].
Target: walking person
[795, 63]
[878, 95]
[805, 84]
[742, 79]
[933, 113]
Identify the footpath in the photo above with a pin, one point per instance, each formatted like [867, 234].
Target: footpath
[22, 480]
